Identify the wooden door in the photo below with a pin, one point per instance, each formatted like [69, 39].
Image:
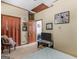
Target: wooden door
[10, 26]
[31, 31]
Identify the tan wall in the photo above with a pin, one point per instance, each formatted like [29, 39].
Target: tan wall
[64, 35]
[14, 11]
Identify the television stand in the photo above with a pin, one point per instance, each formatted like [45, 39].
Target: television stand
[45, 43]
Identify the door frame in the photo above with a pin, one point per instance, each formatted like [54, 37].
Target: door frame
[35, 26]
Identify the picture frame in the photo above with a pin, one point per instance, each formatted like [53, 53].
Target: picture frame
[62, 18]
[49, 26]
[24, 26]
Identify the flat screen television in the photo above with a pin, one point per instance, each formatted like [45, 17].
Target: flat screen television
[46, 36]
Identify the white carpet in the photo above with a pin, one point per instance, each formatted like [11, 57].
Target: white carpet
[48, 53]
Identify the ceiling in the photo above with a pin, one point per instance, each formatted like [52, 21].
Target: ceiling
[29, 4]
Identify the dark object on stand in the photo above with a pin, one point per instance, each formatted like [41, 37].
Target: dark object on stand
[46, 40]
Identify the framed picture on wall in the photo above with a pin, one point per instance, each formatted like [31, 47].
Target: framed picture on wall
[24, 26]
[49, 26]
[62, 18]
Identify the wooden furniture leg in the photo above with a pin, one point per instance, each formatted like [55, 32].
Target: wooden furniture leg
[9, 48]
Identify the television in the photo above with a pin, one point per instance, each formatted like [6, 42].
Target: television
[46, 36]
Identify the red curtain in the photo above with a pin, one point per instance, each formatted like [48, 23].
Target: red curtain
[10, 26]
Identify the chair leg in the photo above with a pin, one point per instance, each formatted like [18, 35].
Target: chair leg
[15, 47]
[2, 49]
[9, 48]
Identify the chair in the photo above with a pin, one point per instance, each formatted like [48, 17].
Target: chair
[45, 39]
[5, 44]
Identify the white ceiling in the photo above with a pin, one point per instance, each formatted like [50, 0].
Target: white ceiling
[29, 4]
